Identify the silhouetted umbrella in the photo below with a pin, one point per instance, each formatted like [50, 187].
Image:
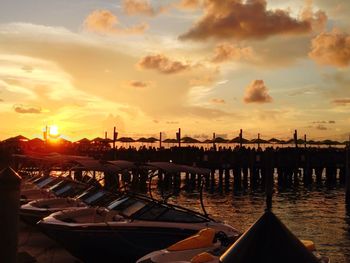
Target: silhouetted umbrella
[170, 141]
[312, 142]
[258, 140]
[84, 141]
[300, 141]
[274, 140]
[220, 140]
[268, 240]
[152, 140]
[142, 139]
[290, 141]
[19, 138]
[107, 140]
[63, 140]
[345, 142]
[330, 142]
[189, 140]
[238, 140]
[97, 140]
[126, 139]
[36, 140]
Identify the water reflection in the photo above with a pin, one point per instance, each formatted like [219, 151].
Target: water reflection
[317, 213]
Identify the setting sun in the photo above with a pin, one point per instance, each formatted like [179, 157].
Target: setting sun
[53, 132]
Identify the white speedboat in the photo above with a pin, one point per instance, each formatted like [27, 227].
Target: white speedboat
[94, 195]
[129, 227]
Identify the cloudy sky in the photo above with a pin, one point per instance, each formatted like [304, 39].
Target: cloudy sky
[147, 66]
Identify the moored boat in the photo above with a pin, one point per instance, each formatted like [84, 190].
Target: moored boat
[94, 195]
[129, 227]
[268, 240]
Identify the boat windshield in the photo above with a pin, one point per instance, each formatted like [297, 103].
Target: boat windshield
[116, 203]
[38, 179]
[158, 212]
[133, 208]
[45, 182]
[85, 194]
[58, 185]
[127, 206]
[62, 190]
[94, 197]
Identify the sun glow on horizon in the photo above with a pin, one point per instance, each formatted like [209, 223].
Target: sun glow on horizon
[53, 131]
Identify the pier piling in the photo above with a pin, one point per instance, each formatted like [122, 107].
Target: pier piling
[347, 176]
[9, 208]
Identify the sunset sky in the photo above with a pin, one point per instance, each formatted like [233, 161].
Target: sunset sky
[147, 66]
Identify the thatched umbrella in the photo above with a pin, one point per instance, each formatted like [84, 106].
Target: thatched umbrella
[220, 140]
[238, 140]
[258, 141]
[126, 139]
[36, 140]
[170, 141]
[19, 138]
[312, 142]
[64, 141]
[330, 142]
[97, 140]
[274, 140]
[189, 140]
[142, 139]
[152, 140]
[83, 141]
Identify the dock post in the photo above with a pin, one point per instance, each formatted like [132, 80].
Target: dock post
[221, 174]
[178, 137]
[114, 137]
[240, 138]
[160, 140]
[214, 145]
[269, 174]
[9, 208]
[347, 174]
[227, 179]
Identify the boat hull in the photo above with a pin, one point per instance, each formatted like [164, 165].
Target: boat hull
[108, 244]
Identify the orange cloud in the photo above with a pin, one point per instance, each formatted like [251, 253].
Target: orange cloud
[226, 51]
[218, 101]
[105, 22]
[321, 127]
[257, 92]
[19, 108]
[189, 4]
[139, 7]
[245, 20]
[138, 84]
[318, 20]
[331, 48]
[342, 102]
[163, 64]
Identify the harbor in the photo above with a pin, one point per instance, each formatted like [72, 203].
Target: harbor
[237, 204]
[175, 131]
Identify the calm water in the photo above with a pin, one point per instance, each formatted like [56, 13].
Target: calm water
[318, 214]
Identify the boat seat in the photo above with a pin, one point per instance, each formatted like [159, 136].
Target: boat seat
[309, 245]
[203, 238]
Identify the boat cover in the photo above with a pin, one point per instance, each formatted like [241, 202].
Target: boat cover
[268, 240]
